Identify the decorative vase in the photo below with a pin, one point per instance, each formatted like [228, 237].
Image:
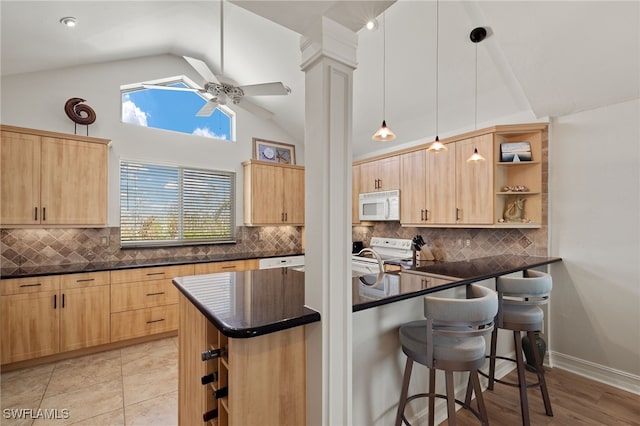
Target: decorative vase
[527, 348]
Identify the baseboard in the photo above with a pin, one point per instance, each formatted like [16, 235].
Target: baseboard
[600, 373]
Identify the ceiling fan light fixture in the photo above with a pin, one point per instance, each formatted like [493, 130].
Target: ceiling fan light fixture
[372, 24]
[69, 21]
[384, 133]
[437, 146]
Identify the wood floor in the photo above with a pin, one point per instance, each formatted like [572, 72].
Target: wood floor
[575, 401]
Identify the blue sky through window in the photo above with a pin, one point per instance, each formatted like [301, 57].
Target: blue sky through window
[174, 110]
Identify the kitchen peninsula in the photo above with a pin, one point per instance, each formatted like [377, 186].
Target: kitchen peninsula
[250, 324]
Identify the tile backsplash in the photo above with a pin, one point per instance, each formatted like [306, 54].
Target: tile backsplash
[462, 243]
[59, 246]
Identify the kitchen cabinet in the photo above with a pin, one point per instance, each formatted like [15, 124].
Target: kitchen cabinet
[144, 301]
[227, 266]
[84, 310]
[527, 174]
[51, 314]
[380, 175]
[273, 194]
[30, 318]
[52, 178]
[474, 181]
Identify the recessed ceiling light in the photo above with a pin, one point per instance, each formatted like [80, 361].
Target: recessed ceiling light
[372, 24]
[69, 21]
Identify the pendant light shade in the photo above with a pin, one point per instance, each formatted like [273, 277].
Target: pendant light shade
[477, 35]
[384, 133]
[475, 157]
[437, 146]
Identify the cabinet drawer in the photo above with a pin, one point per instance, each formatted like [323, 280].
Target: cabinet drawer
[146, 294]
[29, 285]
[149, 274]
[229, 266]
[143, 322]
[89, 279]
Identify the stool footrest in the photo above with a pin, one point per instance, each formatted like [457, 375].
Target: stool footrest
[504, 382]
[441, 396]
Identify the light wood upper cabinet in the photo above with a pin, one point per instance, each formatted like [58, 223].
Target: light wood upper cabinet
[380, 175]
[273, 194]
[474, 181]
[52, 178]
[413, 187]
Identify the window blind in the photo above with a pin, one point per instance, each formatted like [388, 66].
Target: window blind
[169, 205]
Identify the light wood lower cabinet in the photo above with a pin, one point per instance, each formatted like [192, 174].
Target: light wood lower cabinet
[47, 315]
[30, 318]
[84, 310]
[144, 301]
[265, 375]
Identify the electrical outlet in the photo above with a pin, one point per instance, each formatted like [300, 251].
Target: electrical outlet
[104, 240]
[467, 243]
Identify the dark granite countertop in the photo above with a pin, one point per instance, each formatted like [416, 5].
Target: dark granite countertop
[420, 281]
[74, 268]
[250, 303]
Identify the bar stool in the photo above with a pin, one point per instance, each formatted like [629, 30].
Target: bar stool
[450, 339]
[519, 301]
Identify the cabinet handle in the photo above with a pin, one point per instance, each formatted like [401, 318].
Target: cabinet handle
[158, 320]
[155, 294]
[379, 183]
[31, 285]
[35, 213]
[55, 301]
[457, 214]
[63, 300]
[426, 214]
[229, 267]
[155, 273]
[282, 217]
[286, 217]
[86, 280]
[421, 214]
[44, 214]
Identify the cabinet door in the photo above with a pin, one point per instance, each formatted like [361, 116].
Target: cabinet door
[267, 193]
[20, 179]
[369, 176]
[441, 188]
[74, 182]
[85, 315]
[30, 325]
[293, 194]
[389, 173]
[474, 181]
[413, 187]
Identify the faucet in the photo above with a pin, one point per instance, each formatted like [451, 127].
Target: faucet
[376, 255]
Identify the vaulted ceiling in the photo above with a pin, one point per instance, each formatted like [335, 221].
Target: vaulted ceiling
[541, 59]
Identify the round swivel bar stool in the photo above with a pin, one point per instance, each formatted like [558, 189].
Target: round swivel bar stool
[450, 339]
[519, 301]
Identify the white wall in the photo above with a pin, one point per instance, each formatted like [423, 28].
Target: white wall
[595, 228]
[36, 100]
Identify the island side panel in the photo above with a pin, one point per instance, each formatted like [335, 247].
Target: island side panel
[267, 376]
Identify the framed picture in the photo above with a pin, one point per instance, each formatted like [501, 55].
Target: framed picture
[514, 152]
[275, 152]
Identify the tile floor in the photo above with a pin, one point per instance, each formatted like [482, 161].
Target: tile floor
[136, 385]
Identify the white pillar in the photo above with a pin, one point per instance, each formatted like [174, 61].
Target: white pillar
[328, 60]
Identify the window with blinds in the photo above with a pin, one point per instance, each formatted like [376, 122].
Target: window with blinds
[167, 205]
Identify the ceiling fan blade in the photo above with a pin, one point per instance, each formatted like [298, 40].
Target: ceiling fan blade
[207, 109]
[178, 89]
[265, 89]
[254, 109]
[202, 69]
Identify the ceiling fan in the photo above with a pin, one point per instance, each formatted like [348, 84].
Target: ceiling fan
[219, 89]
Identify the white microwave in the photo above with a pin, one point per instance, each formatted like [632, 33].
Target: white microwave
[382, 205]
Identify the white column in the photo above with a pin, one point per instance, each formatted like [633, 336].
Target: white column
[328, 60]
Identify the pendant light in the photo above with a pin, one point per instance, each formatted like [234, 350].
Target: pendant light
[384, 133]
[476, 36]
[437, 146]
